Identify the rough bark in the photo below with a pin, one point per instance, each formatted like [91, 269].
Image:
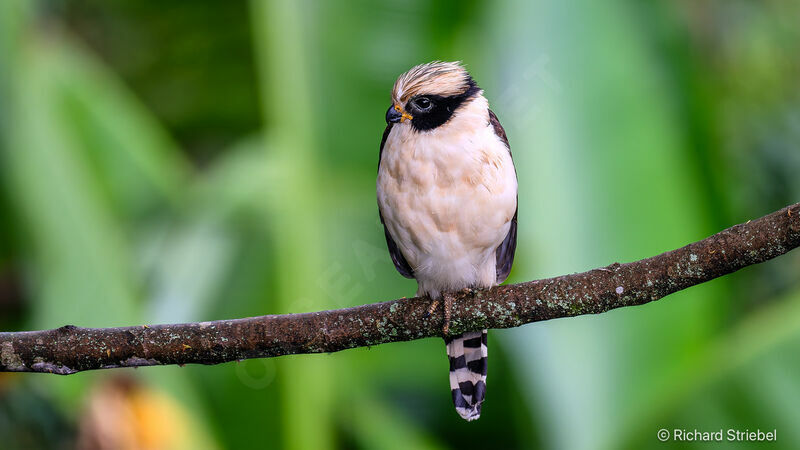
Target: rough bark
[71, 349]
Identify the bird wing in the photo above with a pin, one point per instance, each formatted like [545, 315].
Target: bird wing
[505, 252]
[398, 259]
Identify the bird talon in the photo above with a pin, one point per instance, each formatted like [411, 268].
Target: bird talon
[432, 308]
[448, 307]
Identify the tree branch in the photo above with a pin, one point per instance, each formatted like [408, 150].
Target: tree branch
[71, 349]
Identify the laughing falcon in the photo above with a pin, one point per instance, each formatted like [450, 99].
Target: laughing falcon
[447, 198]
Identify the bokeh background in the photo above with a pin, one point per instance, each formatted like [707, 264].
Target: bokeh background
[186, 161]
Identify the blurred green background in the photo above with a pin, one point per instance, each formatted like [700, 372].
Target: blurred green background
[186, 161]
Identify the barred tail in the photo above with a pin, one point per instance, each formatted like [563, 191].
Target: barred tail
[468, 354]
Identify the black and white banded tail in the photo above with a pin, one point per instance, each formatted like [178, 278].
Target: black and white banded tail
[467, 353]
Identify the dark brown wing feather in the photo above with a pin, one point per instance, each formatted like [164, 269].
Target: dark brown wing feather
[498, 129]
[383, 141]
[398, 259]
[505, 252]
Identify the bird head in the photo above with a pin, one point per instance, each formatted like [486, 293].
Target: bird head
[428, 95]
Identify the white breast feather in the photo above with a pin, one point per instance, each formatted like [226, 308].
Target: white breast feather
[447, 197]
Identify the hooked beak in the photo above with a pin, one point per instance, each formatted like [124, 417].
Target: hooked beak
[396, 114]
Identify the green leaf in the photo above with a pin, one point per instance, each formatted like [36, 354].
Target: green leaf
[81, 264]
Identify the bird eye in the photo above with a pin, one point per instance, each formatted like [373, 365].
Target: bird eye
[423, 104]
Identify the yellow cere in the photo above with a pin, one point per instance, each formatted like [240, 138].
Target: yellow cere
[404, 115]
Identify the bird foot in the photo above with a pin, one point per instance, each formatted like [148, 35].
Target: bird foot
[447, 306]
[432, 308]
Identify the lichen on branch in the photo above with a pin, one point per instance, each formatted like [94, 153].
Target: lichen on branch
[72, 349]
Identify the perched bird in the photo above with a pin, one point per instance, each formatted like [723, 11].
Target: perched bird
[447, 198]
